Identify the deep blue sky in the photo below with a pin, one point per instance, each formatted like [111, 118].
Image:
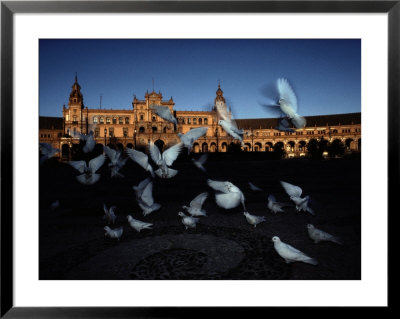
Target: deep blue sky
[326, 74]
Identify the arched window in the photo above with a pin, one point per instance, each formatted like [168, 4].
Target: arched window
[95, 119]
[205, 121]
[102, 120]
[121, 120]
[114, 120]
[165, 129]
[195, 121]
[108, 121]
[126, 120]
[141, 117]
[154, 128]
[141, 129]
[200, 121]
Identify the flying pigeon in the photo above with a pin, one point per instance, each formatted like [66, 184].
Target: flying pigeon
[200, 162]
[47, 151]
[254, 220]
[146, 201]
[188, 139]
[141, 186]
[164, 113]
[113, 233]
[165, 160]
[291, 254]
[231, 195]
[109, 214]
[188, 221]
[90, 143]
[254, 187]
[284, 126]
[294, 193]
[287, 102]
[196, 204]
[137, 224]
[227, 123]
[116, 161]
[275, 206]
[319, 235]
[89, 175]
[140, 158]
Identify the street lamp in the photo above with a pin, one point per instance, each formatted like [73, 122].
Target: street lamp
[105, 136]
[135, 137]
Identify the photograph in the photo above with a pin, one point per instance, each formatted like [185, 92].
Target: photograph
[199, 159]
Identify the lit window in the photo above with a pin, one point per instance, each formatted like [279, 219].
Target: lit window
[101, 120]
[121, 120]
[108, 121]
[95, 119]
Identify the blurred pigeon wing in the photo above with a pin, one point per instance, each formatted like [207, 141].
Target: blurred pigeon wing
[272, 198]
[222, 111]
[147, 195]
[96, 163]
[193, 135]
[170, 173]
[286, 92]
[112, 154]
[228, 201]
[164, 112]
[218, 186]
[155, 152]
[79, 165]
[292, 190]
[171, 154]
[139, 157]
[202, 159]
[199, 200]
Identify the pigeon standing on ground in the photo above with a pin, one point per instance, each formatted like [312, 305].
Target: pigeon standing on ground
[189, 221]
[116, 161]
[114, 233]
[140, 158]
[188, 139]
[319, 235]
[165, 160]
[291, 254]
[254, 220]
[294, 193]
[200, 162]
[275, 206]
[231, 195]
[141, 186]
[195, 205]
[164, 113]
[90, 143]
[146, 201]
[109, 214]
[137, 224]
[47, 151]
[89, 175]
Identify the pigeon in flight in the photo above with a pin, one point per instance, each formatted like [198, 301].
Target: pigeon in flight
[255, 188]
[109, 214]
[116, 161]
[90, 143]
[137, 224]
[141, 186]
[230, 197]
[88, 172]
[284, 125]
[189, 221]
[47, 151]
[275, 206]
[146, 200]
[190, 137]
[164, 113]
[254, 220]
[200, 162]
[195, 205]
[140, 158]
[227, 123]
[113, 233]
[319, 235]
[165, 160]
[294, 193]
[291, 254]
[287, 102]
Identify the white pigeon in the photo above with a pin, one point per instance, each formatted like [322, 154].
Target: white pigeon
[231, 195]
[294, 193]
[146, 200]
[284, 125]
[190, 137]
[109, 214]
[116, 161]
[195, 205]
[47, 151]
[165, 160]
[227, 123]
[137, 224]
[141, 186]
[291, 254]
[140, 158]
[164, 113]
[254, 188]
[89, 175]
[254, 220]
[113, 233]
[275, 206]
[90, 143]
[200, 162]
[319, 235]
[55, 205]
[189, 221]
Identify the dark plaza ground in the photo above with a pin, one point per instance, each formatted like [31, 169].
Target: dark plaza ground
[223, 246]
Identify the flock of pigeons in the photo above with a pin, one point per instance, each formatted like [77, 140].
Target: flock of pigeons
[227, 195]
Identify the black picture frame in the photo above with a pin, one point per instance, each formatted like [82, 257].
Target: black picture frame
[9, 8]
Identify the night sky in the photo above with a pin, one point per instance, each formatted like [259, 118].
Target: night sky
[325, 74]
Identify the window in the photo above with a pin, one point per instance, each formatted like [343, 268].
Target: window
[114, 120]
[153, 118]
[154, 129]
[165, 130]
[183, 120]
[188, 121]
[195, 121]
[96, 132]
[200, 121]
[75, 118]
[111, 131]
[125, 131]
[102, 120]
[141, 117]
[141, 129]
[108, 121]
[205, 121]
[126, 120]
[95, 120]
[120, 120]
